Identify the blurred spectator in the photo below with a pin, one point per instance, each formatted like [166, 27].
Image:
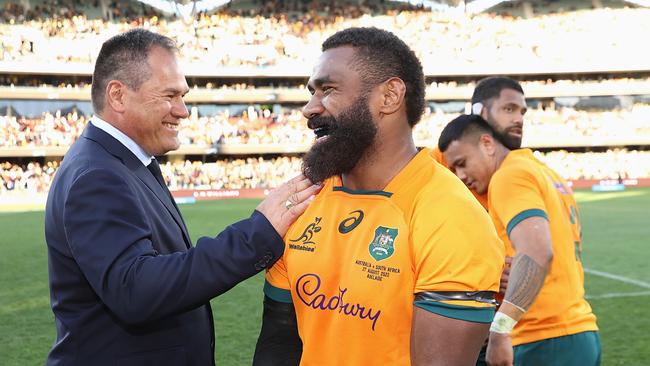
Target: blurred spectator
[613, 164]
[258, 172]
[26, 179]
[256, 126]
[275, 36]
[254, 172]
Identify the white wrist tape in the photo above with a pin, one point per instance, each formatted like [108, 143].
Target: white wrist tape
[502, 323]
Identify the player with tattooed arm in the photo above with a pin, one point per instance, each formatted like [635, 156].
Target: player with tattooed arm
[544, 314]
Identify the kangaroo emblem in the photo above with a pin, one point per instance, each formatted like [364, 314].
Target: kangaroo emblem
[308, 233]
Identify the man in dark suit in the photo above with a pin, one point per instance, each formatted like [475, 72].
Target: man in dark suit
[127, 286]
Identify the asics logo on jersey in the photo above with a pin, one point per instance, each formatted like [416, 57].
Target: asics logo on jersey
[308, 233]
[307, 288]
[351, 223]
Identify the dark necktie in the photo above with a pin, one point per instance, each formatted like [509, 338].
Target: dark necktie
[154, 168]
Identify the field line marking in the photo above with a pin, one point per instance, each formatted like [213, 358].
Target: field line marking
[618, 294]
[616, 277]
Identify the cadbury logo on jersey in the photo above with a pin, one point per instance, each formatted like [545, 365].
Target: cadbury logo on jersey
[352, 222]
[307, 288]
[305, 239]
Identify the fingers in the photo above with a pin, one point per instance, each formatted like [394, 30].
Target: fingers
[296, 184]
[284, 204]
[298, 209]
[302, 195]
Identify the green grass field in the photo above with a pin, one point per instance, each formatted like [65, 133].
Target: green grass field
[616, 245]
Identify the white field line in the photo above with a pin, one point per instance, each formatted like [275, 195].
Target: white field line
[618, 294]
[616, 277]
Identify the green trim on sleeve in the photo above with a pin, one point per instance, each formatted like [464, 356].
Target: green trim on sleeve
[467, 313]
[523, 215]
[362, 191]
[277, 294]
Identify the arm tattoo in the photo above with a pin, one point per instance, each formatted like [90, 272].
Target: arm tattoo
[526, 279]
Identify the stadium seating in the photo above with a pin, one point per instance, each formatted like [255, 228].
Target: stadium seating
[591, 97]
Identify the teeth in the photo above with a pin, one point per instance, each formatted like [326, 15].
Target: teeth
[321, 131]
[170, 125]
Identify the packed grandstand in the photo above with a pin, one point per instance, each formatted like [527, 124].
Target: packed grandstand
[589, 100]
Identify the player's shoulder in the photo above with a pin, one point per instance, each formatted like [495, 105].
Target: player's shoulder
[518, 164]
[442, 191]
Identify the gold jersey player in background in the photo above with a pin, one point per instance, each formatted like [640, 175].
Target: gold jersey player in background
[395, 263]
[500, 101]
[544, 314]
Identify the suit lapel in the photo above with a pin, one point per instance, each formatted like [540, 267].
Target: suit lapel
[163, 195]
[120, 151]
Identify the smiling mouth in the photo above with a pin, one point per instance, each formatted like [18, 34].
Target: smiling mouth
[321, 132]
[171, 126]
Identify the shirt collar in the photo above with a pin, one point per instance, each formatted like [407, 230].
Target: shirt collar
[123, 139]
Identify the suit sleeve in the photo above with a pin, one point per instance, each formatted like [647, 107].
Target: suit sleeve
[110, 240]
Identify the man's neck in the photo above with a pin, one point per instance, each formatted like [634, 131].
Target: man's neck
[501, 155]
[380, 164]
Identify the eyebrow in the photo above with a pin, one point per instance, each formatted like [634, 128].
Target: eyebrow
[319, 81]
[176, 91]
[517, 105]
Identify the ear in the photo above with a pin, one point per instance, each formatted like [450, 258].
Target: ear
[392, 95]
[115, 95]
[487, 144]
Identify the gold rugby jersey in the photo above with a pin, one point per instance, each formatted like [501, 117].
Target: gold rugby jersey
[354, 261]
[523, 187]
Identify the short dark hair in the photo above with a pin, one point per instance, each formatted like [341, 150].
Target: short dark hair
[124, 58]
[381, 55]
[464, 125]
[492, 86]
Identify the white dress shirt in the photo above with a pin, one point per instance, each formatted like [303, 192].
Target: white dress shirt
[123, 139]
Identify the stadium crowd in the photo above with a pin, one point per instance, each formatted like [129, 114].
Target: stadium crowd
[253, 172]
[612, 84]
[259, 172]
[260, 126]
[291, 39]
[26, 179]
[288, 36]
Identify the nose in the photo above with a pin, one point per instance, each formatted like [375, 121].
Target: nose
[179, 109]
[461, 175]
[313, 108]
[519, 118]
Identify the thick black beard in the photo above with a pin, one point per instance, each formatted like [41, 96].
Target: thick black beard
[350, 137]
[511, 142]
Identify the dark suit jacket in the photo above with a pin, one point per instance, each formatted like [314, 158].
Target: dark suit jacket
[127, 287]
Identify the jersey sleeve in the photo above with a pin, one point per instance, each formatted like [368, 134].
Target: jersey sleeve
[276, 284]
[514, 196]
[456, 250]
